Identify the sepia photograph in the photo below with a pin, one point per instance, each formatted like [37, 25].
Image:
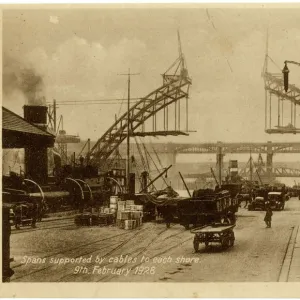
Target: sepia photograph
[151, 144]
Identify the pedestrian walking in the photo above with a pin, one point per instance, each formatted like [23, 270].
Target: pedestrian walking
[268, 217]
[240, 198]
[167, 214]
[231, 217]
[247, 199]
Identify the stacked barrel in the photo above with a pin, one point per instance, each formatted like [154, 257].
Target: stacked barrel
[129, 215]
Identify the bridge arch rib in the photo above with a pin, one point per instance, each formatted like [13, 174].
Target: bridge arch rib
[175, 87]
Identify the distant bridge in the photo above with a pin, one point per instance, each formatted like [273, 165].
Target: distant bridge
[268, 147]
[225, 148]
[245, 173]
[221, 149]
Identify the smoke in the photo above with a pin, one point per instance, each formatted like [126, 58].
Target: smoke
[32, 86]
[22, 81]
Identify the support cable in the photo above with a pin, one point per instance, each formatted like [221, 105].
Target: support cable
[156, 167]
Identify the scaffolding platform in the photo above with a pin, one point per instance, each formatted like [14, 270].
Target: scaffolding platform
[283, 130]
[160, 133]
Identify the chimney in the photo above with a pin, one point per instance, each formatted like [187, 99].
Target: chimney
[36, 156]
[36, 115]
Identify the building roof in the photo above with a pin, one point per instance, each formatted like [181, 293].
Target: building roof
[18, 133]
[12, 121]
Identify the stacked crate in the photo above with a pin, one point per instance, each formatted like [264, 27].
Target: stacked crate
[113, 204]
[95, 217]
[129, 216]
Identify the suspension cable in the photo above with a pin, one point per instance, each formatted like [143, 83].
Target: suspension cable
[156, 167]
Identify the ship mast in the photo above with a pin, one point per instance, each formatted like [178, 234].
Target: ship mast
[128, 130]
[128, 135]
[251, 169]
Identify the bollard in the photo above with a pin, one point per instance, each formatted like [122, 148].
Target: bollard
[7, 272]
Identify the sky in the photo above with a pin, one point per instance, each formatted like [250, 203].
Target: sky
[79, 55]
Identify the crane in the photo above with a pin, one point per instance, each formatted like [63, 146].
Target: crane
[278, 95]
[213, 174]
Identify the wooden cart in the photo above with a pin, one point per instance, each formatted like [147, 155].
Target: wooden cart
[215, 233]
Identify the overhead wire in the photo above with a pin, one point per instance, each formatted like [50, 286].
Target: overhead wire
[157, 157]
[274, 62]
[144, 160]
[137, 169]
[4, 154]
[155, 165]
[121, 105]
[85, 104]
[146, 157]
[16, 156]
[148, 164]
[96, 100]
[140, 153]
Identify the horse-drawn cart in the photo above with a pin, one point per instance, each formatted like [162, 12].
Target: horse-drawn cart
[215, 233]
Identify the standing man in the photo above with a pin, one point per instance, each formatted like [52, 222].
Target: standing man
[268, 216]
[167, 214]
[232, 217]
[247, 198]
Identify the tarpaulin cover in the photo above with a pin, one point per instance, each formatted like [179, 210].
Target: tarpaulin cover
[160, 201]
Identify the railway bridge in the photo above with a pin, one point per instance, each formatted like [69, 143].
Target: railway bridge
[170, 151]
[269, 148]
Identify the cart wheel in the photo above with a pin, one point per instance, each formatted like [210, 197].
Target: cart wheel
[231, 239]
[231, 242]
[196, 244]
[225, 242]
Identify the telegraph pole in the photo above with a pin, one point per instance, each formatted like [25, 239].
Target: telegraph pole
[251, 169]
[128, 129]
[54, 115]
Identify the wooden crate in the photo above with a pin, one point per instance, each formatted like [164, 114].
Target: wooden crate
[129, 202]
[120, 224]
[130, 224]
